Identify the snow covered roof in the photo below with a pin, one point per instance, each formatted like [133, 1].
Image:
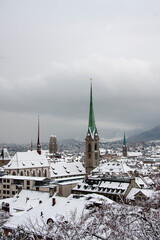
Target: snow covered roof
[44, 211]
[134, 191]
[148, 180]
[108, 187]
[134, 154]
[113, 167]
[131, 154]
[30, 159]
[114, 185]
[23, 178]
[66, 169]
[26, 200]
[102, 151]
[140, 182]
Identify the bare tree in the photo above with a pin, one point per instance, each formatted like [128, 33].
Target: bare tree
[106, 221]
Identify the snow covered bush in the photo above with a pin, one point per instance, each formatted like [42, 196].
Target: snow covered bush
[106, 221]
[109, 222]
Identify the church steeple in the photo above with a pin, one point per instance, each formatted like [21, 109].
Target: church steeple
[124, 140]
[91, 124]
[38, 140]
[124, 147]
[92, 140]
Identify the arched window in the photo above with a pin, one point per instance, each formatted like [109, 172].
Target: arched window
[89, 147]
[13, 173]
[39, 173]
[50, 223]
[27, 173]
[95, 146]
[21, 173]
[50, 220]
[45, 173]
[33, 173]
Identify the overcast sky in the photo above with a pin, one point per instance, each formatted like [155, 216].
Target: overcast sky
[50, 48]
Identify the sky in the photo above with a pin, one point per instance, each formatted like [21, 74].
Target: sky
[50, 48]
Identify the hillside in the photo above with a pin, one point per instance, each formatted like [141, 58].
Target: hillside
[153, 134]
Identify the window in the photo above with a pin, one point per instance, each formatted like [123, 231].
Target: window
[39, 173]
[13, 192]
[28, 188]
[13, 173]
[8, 180]
[28, 182]
[50, 220]
[8, 186]
[4, 180]
[8, 192]
[45, 173]
[33, 173]
[95, 146]
[4, 186]
[21, 173]
[89, 147]
[4, 191]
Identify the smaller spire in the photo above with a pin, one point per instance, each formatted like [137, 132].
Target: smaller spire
[124, 140]
[38, 140]
[31, 145]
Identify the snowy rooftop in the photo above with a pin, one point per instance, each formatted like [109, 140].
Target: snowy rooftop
[134, 191]
[45, 210]
[66, 169]
[140, 182]
[26, 200]
[30, 159]
[113, 167]
[131, 154]
[109, 187]
[23, 178]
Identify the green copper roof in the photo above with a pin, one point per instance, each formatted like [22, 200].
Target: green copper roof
[124, 141]
[91, 123]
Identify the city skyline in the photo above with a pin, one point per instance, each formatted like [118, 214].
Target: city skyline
[48, 52]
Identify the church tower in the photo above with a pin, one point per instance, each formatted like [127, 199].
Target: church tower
[124, 147]
[39, 150]
[92, 140]
[53, 147]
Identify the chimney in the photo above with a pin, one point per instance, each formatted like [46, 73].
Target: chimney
[53, 201]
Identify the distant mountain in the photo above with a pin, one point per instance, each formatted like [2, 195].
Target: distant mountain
[153, 134]
[112, 135]
[69, 141]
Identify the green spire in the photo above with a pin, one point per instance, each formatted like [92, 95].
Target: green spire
[124, 141]
[91, 123]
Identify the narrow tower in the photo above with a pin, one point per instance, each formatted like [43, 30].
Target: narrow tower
[92, 140]
[124, 147]
[53, 147]
[31, 145]
[39, 150]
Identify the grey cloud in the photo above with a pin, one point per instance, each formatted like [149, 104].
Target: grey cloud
[125, 91]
